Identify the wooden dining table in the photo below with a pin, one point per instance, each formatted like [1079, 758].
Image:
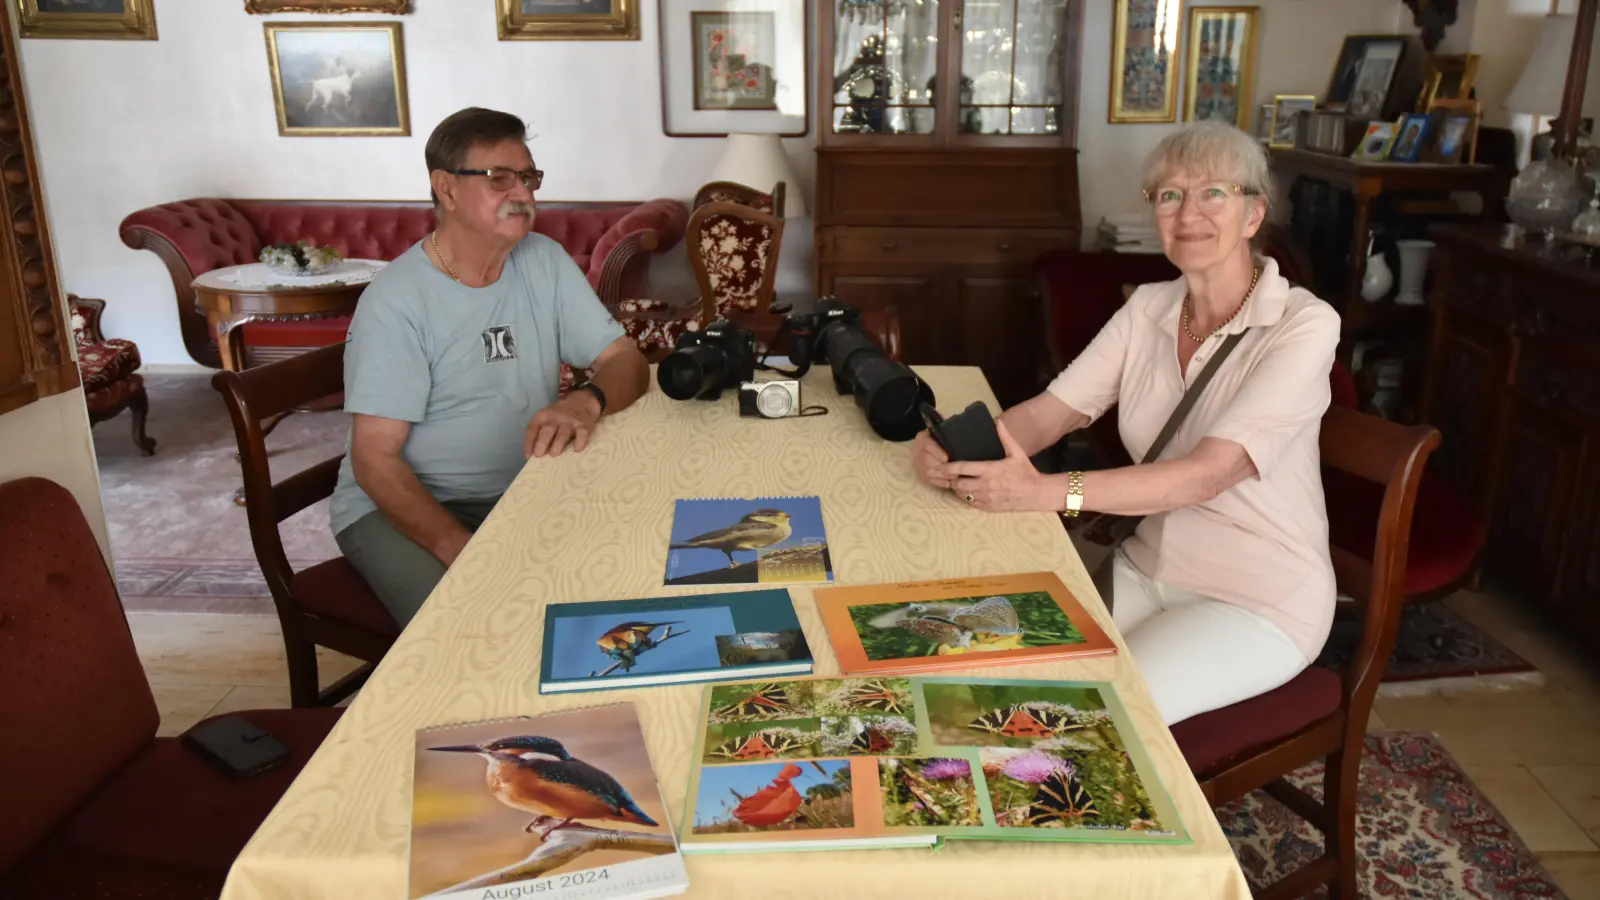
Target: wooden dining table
[594, 526]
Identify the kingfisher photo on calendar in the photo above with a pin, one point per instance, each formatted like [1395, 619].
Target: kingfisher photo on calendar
[764, 540]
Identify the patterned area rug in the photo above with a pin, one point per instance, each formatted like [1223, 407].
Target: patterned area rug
[1423, 830]
[1434, 644]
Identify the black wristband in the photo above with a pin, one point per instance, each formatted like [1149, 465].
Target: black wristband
[593, 388]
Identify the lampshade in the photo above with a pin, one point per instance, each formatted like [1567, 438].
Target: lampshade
[1538, 91]
[758, 161]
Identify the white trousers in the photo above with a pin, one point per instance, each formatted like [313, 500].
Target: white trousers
[1197, 654]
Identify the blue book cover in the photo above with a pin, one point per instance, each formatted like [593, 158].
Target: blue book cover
[764, 540]
[671, 640]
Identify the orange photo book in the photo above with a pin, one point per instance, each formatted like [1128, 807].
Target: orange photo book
[931, 626]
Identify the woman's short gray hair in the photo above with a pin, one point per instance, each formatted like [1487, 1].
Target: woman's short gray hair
[1213, 149]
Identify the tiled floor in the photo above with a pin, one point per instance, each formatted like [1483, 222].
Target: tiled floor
[1534, 751]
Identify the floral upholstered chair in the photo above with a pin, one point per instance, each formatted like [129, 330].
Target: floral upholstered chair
[109, 371]
[733, 192]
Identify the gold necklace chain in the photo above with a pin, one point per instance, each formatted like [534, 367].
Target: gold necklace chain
[1188, 300]
[452, 272]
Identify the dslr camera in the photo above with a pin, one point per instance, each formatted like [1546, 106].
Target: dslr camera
[888, 391]
[769, 399]
[703, 364]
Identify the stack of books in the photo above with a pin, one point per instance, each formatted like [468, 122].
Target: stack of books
[1129, 233]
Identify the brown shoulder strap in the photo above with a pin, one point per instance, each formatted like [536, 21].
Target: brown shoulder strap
[1192, 395]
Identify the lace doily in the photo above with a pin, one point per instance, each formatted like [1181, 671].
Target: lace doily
[256, 276]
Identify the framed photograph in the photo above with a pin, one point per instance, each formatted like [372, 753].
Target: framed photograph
[1411, 138]
[1385, 51]
[129, 20]
[569, 20]
[1144, 61]
[1376, 142]
[1454, 125]
[1284, 107]
[1448, 78]
[392, 7]
[1222, 62]
[338, 79]
[735, 66]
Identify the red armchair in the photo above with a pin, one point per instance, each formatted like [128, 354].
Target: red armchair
[611, 242]
[108, 368]
[96, 804]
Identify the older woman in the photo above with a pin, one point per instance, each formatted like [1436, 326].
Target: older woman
[1226, 590]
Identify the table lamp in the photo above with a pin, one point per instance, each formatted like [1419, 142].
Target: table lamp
[1545, 195]
[759, 161]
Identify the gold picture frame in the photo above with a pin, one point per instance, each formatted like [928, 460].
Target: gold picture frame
[1284, 106]
[383, 7]
[1449, 77]
[1228, 34]
[1146, 38]
[1446, 146]
[345, 78]
[568, 20]
[136, 22]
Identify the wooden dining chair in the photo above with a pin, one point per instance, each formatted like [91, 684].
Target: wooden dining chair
[328, 604]
[734, 192]
[1322, 713]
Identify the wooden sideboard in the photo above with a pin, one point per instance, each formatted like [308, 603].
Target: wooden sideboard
[1514, 386]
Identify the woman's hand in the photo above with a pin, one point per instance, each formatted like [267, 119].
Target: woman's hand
[930, 462]
[1008, 485]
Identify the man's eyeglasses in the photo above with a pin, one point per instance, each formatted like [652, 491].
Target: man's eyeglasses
[1209, 198]
[506, 179]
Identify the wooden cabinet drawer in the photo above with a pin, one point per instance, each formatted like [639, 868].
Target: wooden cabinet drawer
[959, 246]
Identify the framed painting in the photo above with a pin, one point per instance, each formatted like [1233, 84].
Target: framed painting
[338, 79]
[1222, 62]
[133, 20]
[391, 7]
[732, 66]
[569, 20]
[1144, 53]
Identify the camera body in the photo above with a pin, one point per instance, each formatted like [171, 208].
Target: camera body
[769, 399]
[886, 390]
[705, 363]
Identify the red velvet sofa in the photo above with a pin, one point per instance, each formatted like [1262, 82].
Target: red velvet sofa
[612, 242]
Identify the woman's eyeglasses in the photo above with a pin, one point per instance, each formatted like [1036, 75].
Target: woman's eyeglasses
[1208, 198]
[506, 179]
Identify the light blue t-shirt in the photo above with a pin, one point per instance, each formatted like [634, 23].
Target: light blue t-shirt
[468, 367]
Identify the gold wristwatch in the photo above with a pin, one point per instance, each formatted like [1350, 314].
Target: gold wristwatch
[1074, 495]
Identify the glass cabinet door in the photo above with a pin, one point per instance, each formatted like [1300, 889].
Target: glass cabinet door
[885, 61]
[1012, 77]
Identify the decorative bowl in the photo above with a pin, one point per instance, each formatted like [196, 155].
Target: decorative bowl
[300, 258]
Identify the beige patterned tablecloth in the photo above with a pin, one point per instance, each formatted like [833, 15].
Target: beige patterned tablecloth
[594, 526]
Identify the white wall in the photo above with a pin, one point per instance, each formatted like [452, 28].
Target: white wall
[49, 438]
[123, 125]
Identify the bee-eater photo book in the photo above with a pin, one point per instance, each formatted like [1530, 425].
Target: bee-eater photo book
[958, 623]
[564, 805]
[612, 644]
[764, 540]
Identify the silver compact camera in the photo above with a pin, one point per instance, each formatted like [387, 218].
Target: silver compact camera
[769, 399]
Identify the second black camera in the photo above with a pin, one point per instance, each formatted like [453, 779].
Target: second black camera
[706, 363]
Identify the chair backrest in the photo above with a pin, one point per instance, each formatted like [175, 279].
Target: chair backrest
[733, 192]
[74, 703]
[252, 396]
[733, 250]
[1393, 455]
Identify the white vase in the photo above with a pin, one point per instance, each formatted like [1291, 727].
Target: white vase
[1378, 279]
[1413, 271]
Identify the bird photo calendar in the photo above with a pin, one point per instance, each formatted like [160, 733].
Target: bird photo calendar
[671, 640]
[832, 763]
[766, 540]
[564, 805]
[928, 626]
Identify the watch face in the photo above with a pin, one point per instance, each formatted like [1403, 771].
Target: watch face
[774, 402]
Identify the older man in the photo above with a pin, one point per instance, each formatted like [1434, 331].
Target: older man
[454, 361]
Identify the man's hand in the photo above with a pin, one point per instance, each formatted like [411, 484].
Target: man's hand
[1008, 485]
[930, 462]
[566, 421]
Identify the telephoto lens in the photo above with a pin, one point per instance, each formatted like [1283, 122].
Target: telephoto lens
[887, 391]
[706, 363]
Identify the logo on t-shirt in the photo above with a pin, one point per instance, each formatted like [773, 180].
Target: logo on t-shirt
[498, 344]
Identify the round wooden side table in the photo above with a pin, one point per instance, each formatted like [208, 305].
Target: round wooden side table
[236, 295]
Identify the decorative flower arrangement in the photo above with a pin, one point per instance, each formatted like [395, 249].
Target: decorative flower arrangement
[300, 258]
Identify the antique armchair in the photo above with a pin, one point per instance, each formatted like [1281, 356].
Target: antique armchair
[109, 370]
[733, 192]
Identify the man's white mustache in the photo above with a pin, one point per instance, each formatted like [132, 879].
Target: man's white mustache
[514, 207]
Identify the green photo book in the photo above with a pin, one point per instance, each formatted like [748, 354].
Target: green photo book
[833, 763]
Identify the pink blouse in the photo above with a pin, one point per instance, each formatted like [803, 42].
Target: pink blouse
[1262, 544]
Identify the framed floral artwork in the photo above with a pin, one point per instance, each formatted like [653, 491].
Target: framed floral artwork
[735, 66]
[133, 20]
[569, 20]
[1222, 62]
[1144, 56]
[338, 79]
[391, 7]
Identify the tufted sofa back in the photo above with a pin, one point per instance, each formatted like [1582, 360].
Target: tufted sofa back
[358, 230]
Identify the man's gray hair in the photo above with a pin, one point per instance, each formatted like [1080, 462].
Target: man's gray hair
[1210, 149]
